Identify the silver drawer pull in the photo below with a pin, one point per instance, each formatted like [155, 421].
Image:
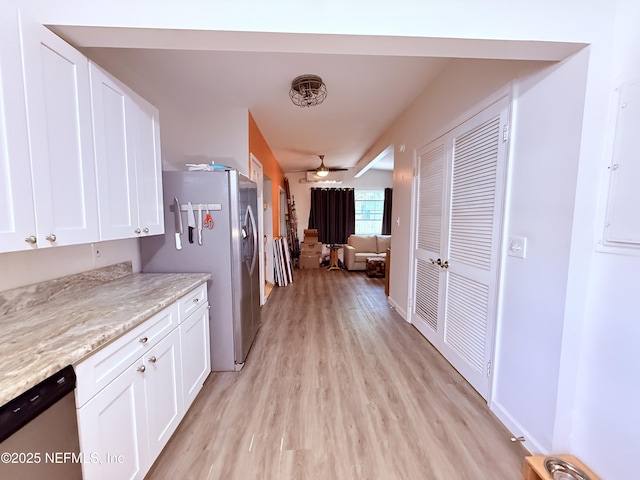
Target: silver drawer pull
[153, 359]
[32, 240]
[142, 368]
[143, 340]
[196, 300]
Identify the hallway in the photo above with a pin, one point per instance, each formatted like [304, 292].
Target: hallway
[338, 386]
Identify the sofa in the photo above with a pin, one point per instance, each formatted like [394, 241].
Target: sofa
[361, 247]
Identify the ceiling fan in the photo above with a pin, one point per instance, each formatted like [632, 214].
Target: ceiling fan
[323, 170]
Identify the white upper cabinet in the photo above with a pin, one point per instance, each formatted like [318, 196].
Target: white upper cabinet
[58, 101]
[149, 169]
[17, 219]
[128, 164]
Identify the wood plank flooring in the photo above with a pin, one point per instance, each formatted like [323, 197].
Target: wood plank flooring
[338, 386]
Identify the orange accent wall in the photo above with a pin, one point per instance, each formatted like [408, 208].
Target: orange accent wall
[270, 167]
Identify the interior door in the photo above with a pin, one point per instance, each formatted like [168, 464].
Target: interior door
[458, 228]
[431, 221]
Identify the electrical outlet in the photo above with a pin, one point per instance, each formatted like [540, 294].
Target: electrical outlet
[97, 252]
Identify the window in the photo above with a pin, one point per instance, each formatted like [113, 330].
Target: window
[369, 208]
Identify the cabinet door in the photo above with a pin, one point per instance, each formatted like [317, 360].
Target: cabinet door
[115, 156]
[113, 429]
[56, 78]
[196, 359]
[17, 220]
[163, 386]
[148, 169]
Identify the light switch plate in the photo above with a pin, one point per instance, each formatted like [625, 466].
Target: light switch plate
[517, 247]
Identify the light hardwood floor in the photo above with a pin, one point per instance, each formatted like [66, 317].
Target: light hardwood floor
[338, 386]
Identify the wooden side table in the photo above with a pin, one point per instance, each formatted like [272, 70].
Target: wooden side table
[334, 258]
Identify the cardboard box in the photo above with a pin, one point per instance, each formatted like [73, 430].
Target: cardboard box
[308, 248]
[309, 261]
[310, 235]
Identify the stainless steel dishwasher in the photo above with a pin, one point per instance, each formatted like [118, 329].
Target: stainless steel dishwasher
[39, 432]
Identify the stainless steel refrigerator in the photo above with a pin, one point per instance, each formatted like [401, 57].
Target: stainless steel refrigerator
[228, 250]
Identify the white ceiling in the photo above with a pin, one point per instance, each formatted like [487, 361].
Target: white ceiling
[370, 80]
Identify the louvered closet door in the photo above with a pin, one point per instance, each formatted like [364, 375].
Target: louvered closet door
[430, 223]
[471, 211]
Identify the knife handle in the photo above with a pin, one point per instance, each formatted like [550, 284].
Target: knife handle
[178, 242]
[190, 234]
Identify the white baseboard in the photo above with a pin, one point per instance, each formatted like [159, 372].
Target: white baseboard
[531, 444]
[397, 308]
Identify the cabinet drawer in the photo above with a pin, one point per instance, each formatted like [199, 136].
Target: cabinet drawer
[94, 373]
[192, 300]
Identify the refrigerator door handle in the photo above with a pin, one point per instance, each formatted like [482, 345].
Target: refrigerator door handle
[254, 234]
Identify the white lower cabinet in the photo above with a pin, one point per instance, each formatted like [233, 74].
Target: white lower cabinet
[112, 428]
[196, 359]
[124, 426]
[163, 388]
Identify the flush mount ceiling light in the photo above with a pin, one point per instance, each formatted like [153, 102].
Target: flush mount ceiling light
[308, 90]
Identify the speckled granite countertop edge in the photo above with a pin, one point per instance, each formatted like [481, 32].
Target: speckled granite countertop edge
[37, 341]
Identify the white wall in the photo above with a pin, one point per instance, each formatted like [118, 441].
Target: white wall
[222, 137]
[18, 269]
[546, 131]
[301, 192]
[460, 86]
[573, 20]
[605, 414]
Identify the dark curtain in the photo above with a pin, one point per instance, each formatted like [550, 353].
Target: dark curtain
[333, 213]
[386, 212]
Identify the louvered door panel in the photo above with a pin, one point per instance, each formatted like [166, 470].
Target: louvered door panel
[427, 287]
[430, 173]
[473, 195]
[466, 321]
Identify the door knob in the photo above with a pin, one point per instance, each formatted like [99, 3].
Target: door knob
[32, 240]
[52, 238]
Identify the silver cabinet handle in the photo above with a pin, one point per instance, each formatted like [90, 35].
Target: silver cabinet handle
[196, 300]
[146, 230]
[142, 368]
[32, 240]
[137, 230]
[143, 340]
[153, 359]
[52, 238]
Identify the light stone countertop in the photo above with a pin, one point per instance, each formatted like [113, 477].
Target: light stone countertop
[39, 339]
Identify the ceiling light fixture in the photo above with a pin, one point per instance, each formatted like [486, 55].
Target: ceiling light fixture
[308, 90]
[322, 171]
